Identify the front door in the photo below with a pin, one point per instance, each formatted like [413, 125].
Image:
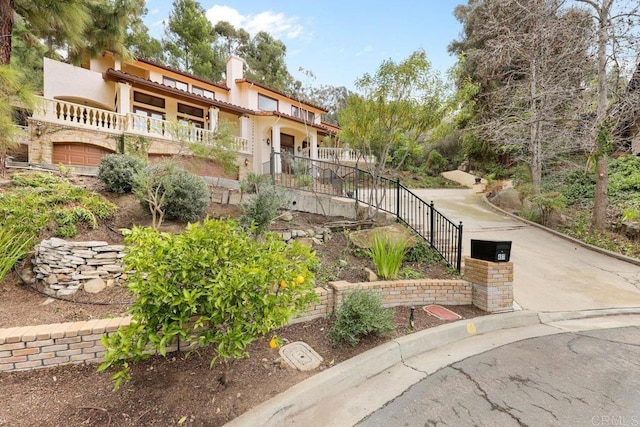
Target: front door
[287, 152]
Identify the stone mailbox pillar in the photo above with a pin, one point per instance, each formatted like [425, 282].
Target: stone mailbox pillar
[492, 284]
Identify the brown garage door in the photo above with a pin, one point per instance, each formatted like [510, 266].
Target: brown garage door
[78, 154]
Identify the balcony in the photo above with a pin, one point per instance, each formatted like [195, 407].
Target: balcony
[84, 117]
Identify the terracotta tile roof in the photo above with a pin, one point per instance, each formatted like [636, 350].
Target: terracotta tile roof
[191, 76]
[121, 75]
[263, 86]
[289, 117]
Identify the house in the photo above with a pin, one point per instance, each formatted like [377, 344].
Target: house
[96, 108]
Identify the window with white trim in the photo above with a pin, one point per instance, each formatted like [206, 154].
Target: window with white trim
[203, 92]
[267, 104]
[175, 83]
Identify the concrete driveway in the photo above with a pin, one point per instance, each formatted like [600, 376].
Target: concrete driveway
[550, 273]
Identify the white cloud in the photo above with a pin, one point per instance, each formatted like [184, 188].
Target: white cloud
[277, 24]
[365, 50]
[154, 11]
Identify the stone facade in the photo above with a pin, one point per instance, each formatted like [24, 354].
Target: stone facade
[67, 267]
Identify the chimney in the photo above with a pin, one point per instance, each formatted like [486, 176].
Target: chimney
[235, 66]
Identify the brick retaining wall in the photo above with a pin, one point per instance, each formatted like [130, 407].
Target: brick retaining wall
[32, 347]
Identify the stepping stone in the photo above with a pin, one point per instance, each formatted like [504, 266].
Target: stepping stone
[301, 356]
[441, 313]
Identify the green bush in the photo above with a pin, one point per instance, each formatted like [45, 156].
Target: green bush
[261, 208]
[253, 182]
[361, 314]
[185, 196]
[190, 197]
[624, 175]
[212, 285]
[116, 171]
[436, 162]
[387, 256]
[578, 188]
[423, 252]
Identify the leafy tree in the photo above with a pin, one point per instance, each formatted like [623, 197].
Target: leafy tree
[110, 21]
[210, 285]
[265, 57]
[398, 105]
[232, 41]
[60, 23]
[140, 43]
[395, 109]
[188, 37]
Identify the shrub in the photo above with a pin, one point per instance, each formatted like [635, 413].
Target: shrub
[261, 208]
[211, 285]
[172, 192]
[117, 171]
[361, 314]
[190, 197]
[387, 256]
[436, 162]
[423, 252]
[253, 182]
[578, 187]
[624, 175]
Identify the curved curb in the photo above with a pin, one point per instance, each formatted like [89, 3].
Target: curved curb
[616, 255]
[353, 372]
[357, 369]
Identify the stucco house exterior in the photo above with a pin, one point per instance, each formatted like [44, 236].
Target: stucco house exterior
[87, 111]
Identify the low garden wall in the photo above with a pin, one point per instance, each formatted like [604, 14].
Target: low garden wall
[489, 287]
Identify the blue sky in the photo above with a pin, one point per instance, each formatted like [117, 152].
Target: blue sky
[338, 41]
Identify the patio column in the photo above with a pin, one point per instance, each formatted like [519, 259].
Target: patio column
[213, 118]
[275, 144]
[124, 98]
[313, 152]
[245, 129]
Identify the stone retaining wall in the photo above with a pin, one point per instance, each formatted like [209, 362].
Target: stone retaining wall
[67, 267]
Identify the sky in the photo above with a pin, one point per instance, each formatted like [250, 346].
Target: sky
[338, 41]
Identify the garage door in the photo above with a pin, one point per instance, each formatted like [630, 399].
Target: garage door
[78, 154]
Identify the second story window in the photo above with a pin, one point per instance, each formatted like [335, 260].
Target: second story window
[175, 83]
[145, 98]
[267, 104]
[191, 111]
[203, 92]
[295, 111]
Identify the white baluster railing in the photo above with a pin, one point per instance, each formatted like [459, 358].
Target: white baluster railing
[76, 115]
[342, 155]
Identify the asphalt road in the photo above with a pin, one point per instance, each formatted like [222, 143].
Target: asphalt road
[589, 378]
[550, 273]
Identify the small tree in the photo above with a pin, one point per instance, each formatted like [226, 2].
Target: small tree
[152, 186]
[211, 285]
[399, 104]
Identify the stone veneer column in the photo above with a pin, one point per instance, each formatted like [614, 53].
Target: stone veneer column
[492, 284]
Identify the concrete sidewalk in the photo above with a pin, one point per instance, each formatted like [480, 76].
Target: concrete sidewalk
[346, 393]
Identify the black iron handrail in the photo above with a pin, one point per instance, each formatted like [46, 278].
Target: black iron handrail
[389, 195]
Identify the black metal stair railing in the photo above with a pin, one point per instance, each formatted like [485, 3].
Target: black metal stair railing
[379, 192]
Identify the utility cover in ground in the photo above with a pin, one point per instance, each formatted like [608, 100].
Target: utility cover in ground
[301, 356]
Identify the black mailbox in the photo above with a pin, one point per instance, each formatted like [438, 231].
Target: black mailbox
[489, 250]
